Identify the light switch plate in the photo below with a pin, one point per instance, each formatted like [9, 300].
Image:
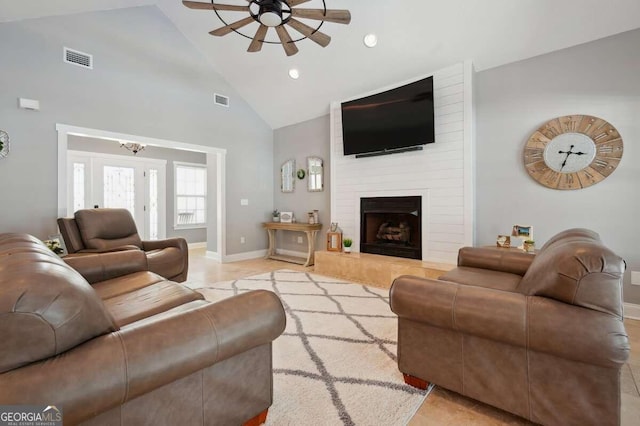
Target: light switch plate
[242, 240]
[635, 278]
[244, 202]
[299, 240]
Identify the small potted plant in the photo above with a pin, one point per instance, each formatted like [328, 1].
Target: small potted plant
[347, 243]
[275, 215]
[529, 246]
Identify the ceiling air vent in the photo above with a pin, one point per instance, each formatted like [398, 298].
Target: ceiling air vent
[80, 59]
[221, 100]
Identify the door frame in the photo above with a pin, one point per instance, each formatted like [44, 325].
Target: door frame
[216, 165]
[92, 159]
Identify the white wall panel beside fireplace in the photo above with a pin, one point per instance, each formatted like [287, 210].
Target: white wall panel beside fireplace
[442, 173]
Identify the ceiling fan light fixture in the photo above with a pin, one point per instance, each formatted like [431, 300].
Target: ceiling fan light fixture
[294, 73]
[370, 40]
[270, 13]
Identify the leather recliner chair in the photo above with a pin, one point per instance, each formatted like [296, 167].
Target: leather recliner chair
[104, 230]
[540, 336]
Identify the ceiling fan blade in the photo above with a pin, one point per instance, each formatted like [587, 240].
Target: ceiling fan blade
[290, 48]
[209, 6]
[234, 26]
[293, 3]
[258, 39]
[321, 38]
[337, 16]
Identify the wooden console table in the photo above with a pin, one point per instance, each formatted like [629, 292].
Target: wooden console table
[310, 230]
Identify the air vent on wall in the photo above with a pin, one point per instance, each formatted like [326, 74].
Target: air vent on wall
[80, 59]
[221, 100]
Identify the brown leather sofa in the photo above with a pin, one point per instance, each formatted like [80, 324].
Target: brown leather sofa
[130, 348]
[538, 335]
[102, 230]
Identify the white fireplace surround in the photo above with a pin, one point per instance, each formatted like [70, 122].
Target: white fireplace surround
[424, 194]
[442, 173]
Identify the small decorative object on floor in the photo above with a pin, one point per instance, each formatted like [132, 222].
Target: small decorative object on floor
[529, 246]
[503, 241]
[55, 243]
[275, 215]
[347, 242]
[286, 217]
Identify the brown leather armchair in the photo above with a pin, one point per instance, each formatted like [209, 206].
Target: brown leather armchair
[104, 230]
[539, 335]
[129, 347]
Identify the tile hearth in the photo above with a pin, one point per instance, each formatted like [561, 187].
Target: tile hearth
[374, 269]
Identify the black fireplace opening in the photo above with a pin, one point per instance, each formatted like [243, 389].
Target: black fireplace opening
[391, 226]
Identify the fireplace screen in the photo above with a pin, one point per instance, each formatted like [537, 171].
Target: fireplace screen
[391, 226]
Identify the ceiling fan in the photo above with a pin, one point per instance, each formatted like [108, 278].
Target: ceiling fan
[276, 14]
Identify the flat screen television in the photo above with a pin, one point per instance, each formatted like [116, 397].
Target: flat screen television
[389, 121]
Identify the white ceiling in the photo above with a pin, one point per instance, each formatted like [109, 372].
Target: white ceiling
[416, 37]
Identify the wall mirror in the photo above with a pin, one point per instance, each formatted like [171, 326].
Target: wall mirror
[287, 173]
[315, 172]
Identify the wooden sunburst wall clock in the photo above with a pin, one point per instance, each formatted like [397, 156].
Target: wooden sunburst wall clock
[573, 152]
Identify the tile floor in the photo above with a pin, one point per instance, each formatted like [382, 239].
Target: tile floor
[442, 407]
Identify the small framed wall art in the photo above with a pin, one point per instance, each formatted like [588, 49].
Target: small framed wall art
[286, 217]
[503, 241]
[522, 231]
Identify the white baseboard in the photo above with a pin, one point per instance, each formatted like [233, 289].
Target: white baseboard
[632, 311]
[292, 253]
[197, 245]
[244, 256]
[214, 255]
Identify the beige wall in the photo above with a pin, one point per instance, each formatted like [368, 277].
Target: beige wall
[299, 141]
[147, 80]
[600, 78]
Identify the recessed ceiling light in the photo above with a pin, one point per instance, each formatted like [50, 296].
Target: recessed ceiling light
[294, 73]
[370, 40]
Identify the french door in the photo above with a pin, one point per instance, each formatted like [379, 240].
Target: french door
[115, 181]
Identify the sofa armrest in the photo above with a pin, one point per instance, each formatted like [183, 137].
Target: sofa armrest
[179, 243]
[502, 260]
[112, 369]
[577, 333]
[105, 266]
[108, 250]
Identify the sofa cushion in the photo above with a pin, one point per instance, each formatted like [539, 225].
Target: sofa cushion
[104, 229]
[126, 284]
[580, 271]
[46, 307]
[150, 300]
[478, 277]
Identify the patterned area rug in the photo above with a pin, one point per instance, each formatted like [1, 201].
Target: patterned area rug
[336, 361]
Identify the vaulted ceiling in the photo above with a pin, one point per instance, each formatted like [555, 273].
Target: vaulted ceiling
[415, 38]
